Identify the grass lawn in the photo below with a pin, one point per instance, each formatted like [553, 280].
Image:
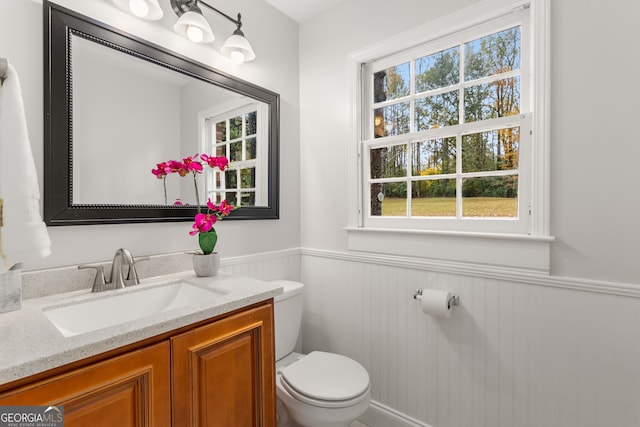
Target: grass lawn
[446, 206]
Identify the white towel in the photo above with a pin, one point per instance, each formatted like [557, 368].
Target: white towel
[23, 235]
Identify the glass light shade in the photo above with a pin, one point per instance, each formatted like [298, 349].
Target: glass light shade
[144, 9]
[238, 48]
[195, 27]
[194, 34]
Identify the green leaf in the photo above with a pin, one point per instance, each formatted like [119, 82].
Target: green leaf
[207, 241]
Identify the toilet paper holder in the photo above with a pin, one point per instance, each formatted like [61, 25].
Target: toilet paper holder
[454, 300]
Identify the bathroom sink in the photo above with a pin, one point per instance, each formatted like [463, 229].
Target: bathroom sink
[125, 306]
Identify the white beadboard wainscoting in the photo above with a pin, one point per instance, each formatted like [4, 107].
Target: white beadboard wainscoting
[519, 351]
[274, 265]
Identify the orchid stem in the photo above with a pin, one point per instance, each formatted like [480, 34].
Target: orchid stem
[164, 184]
[195, 185]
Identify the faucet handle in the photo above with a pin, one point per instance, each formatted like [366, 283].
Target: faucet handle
[99, 281]
[132, 276]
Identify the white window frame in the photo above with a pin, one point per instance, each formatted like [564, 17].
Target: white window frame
[207, 138]
[526, 247]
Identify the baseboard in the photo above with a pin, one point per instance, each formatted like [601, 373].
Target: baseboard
[379, 415]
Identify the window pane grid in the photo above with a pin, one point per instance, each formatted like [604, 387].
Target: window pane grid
[483, 168]
[481, 61]
[466, 159]
[235, 138]
[448, 175]
[438, 189]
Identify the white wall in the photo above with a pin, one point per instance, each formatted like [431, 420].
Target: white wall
[594, 173]
[275, 40]
[520, 351]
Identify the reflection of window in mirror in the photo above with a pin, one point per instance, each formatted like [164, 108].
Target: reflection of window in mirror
[240, 134]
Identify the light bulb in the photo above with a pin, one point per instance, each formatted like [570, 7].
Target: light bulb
[139, 8]
[237, 57]
[195, 34]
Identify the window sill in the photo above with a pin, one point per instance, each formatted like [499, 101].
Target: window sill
[503, 251]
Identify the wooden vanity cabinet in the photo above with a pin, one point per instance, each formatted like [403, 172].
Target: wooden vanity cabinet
[220, 373]
[223, 373]
[128, 390]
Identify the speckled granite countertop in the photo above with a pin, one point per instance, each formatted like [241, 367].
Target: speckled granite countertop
[30, 343]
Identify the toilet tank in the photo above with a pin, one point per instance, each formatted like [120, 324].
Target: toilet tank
[287, 316]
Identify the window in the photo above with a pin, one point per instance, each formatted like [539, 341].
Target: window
[443, 132]
[451, 136]
[237, 134]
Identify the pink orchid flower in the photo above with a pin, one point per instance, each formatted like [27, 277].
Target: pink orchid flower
[203, 223]
[160, 171]
[219, 162]
[224, 208]
[174, 166]
[192, 165]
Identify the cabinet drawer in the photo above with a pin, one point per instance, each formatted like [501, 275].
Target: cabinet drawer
[133, 389]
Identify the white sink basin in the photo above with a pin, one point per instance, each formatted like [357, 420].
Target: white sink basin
[118, 308]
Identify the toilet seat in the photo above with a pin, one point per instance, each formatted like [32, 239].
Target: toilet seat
[326, 380]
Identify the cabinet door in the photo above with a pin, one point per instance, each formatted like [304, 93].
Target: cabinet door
[224, 373]
[129, 390]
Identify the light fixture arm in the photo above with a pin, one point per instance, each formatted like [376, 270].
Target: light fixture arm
[182, 6]
[194, 26]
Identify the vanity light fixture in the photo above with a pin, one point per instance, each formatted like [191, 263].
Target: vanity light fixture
[193, 25]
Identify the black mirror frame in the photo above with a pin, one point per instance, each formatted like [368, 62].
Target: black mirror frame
[59, 24]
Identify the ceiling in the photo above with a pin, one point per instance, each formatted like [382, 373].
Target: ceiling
[302, 10]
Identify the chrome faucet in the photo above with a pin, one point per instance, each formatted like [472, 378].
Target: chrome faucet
[120, 259]
[117, 280]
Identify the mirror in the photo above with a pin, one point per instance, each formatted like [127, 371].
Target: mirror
[116, 106]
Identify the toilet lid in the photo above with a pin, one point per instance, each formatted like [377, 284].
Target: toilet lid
[326, 376]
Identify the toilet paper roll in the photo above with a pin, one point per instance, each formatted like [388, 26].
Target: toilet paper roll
[436, 302]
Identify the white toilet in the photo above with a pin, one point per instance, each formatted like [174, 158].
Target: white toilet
[318, 389]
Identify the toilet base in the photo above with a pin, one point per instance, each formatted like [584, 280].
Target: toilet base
[286, 420]
[292, 414]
